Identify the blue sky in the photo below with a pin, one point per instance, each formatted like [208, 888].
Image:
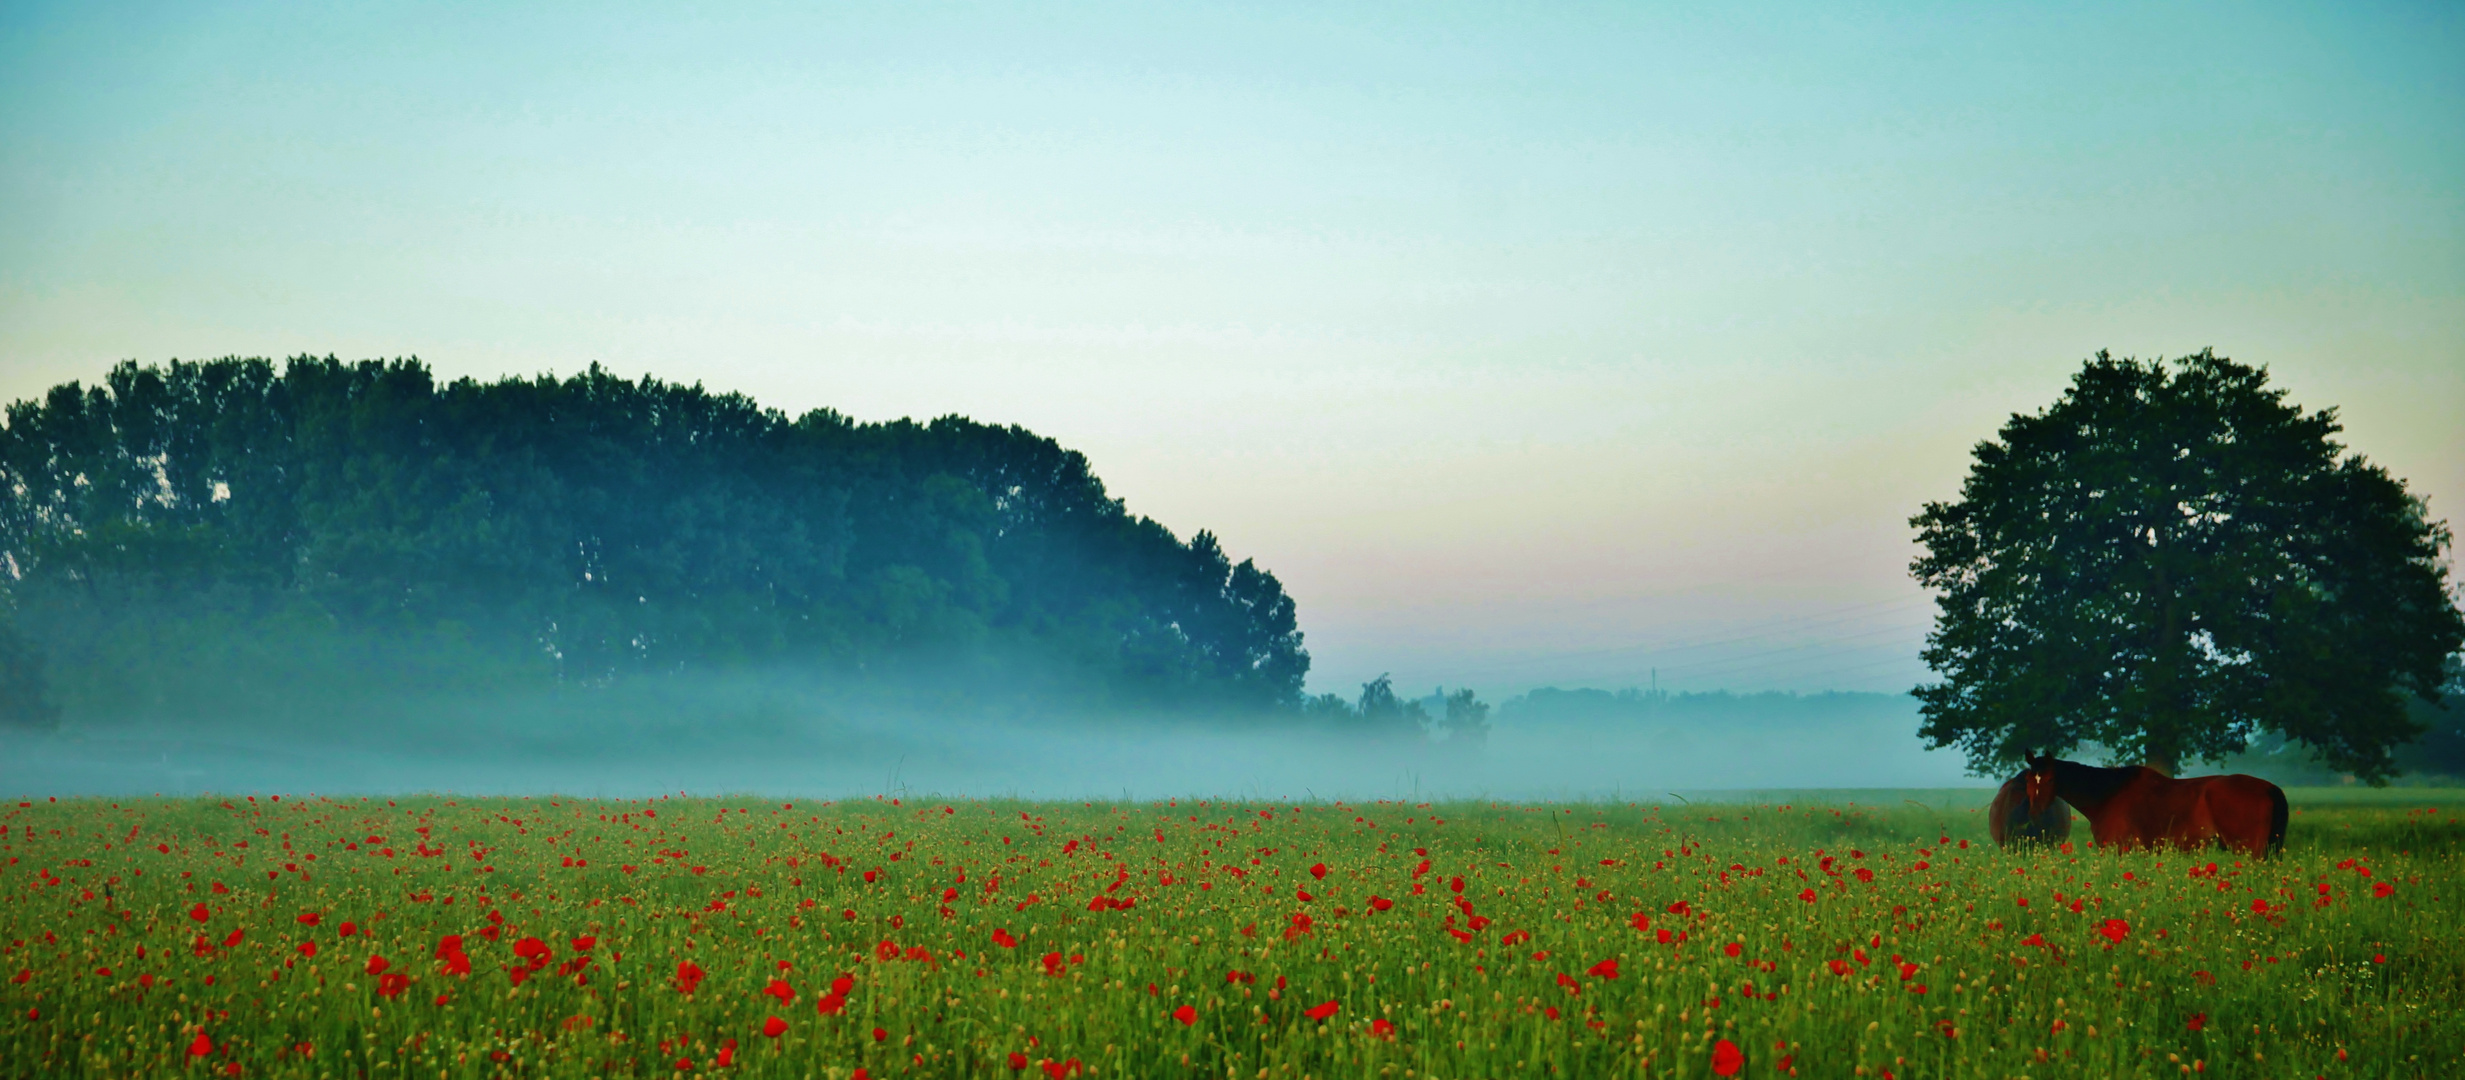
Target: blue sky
[1527, 343]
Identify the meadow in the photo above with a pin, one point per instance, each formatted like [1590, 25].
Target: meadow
[1799, 934]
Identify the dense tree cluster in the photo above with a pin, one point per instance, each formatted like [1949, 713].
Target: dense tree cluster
[192, 533]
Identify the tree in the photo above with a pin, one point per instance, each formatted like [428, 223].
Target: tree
[1467, 720]
[2170, 560]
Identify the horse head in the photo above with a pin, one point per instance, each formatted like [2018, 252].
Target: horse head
[2039, 783]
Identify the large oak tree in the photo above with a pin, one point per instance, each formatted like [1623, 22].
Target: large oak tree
[2170, 560]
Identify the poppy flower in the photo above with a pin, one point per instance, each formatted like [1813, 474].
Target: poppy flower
[309, 918]
[830, 1003]
[1606, 969]
[2198, 1020]
[392, 984]
[1052, 964]
[774, 1027]
[198, 913]
[308, 949]
[201, 1047]
[234, 939]
[688, 976]
[843, 985]
[2115, 930]
[1807, 895]
[1727, 1059]
[1318, 870]
[2383, 890]
[779, 988]
[585, 943]
[1380, 1028]
[1018, 1061]
[1004, 939]
[1186, 1015]
[1907, 971]
[880, 1035]
[1380, 903]
[1732, 949]
[378, 964]
[347, 929]
[448, 945]
[1321, 1012]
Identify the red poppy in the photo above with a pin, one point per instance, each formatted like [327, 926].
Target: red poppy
[201, 1047]
[392, 984]
[2197, 1021]
[2383, 890]
[880, 1035]
[585, 943]
[1318, 870]
[774, 1027]
[1807, 896]
[779, 988]
[830, 1003]
[198, 913]
[1732, 949]
[1840, 967]
[1186, 1015]
[1727, 1059]
[1052, 964]
[1321, 1012]
[308, 949]
[1380, 903]
[1606, 969]
[234, 939]
[1381, 1029]
[1003, 939]
[688, 976]
[1018, 1061]
[843, 985]
[346, 929]
[377, 965]
[1907, 971]
[448, 945]
[2115, 930]
[309, 918]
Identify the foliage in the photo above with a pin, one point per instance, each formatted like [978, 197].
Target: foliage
[184, 536]
[559, 938]
[2169, 561]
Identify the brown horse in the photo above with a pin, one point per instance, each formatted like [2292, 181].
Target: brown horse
[2136, 806]
[2011, 824]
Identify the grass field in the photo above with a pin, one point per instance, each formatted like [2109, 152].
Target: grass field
[1801, 934]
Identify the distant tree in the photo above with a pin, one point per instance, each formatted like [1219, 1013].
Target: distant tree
[1381, 714]
[1467, 720]
[2169, 560]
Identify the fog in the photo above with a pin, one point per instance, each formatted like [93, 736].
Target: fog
[790, 738]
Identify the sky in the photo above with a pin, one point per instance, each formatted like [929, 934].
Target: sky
[1527, 344]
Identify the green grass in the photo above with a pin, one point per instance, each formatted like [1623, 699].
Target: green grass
[124, 952]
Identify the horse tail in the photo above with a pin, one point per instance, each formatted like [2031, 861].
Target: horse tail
[2277, 816]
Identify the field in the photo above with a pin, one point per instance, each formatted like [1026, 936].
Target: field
[1802, 935]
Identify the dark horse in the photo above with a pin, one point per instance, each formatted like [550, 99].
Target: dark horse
[2136, 806]
[2010, 822]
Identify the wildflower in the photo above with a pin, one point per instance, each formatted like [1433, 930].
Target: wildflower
[1321, 1012]
[1380, 903]
[1004, 939]
[378, 964]
[1807, 895]
[880, 1035]
[201, 1047]
[1186, 1015]
[1318, 870]
[2198, 1020]
[779, 988]
[2383, 890]
[309, 918]
[198, 913]
[1606, 969]
[308, 949]
[1018, 1061]
[1052, 964]
[688, 976]
[774, 1027]
[1732, 949]
[2115, 930]
[392, 984]
[1727, 1059]
[1380, 1028]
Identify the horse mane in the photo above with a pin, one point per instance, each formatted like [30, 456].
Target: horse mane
[2089, 786]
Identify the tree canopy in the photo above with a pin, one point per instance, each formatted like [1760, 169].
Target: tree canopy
[2170, 560]
[189, 533]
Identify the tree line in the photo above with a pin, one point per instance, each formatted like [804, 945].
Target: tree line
[194, 536]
